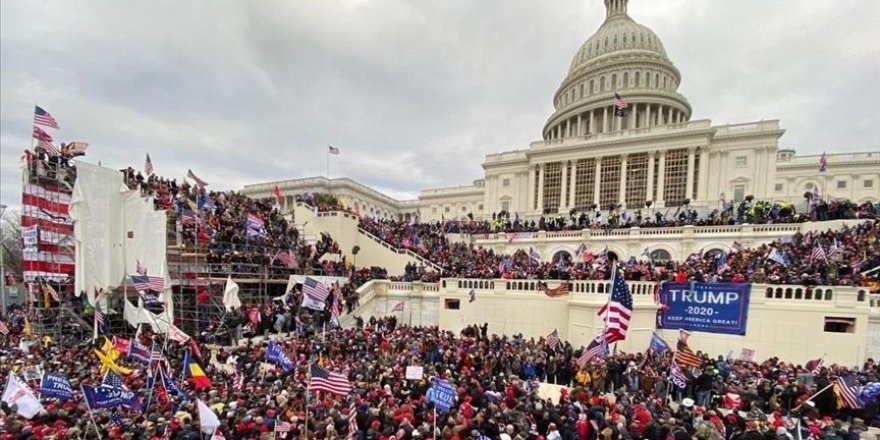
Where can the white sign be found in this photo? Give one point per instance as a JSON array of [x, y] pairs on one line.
[[414, 372], [30, 237]]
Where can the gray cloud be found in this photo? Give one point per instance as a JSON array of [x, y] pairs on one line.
[[414, 93]]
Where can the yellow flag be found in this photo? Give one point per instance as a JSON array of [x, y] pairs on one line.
[[28, 330], [109, 364], [109, 350]]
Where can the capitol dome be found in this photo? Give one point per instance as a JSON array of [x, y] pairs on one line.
[[622, 57]]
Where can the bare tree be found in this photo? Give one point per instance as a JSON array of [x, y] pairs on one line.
[[11, 245]]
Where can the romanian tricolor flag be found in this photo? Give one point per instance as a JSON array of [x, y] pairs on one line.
[[193, 371]]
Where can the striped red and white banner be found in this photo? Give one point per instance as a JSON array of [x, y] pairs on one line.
[[47, 209]]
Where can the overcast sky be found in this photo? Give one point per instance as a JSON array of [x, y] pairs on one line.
[[414, 93]]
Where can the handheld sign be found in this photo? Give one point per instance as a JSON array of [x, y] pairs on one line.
[[442, 394]]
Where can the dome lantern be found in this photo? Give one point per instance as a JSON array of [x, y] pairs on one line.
[[615, 7]]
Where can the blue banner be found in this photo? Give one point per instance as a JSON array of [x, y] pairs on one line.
[[442, 394], [705, 307], [56, 385], [278, 355], [111, 397]]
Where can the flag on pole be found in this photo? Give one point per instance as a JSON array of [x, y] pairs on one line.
[[323, 380], [44, 118], [352, 420], [315, 289], [472, 296], [815, 366], [823, 163], [580, 249], [597, 348], [276, 192], [618, 310], [332, 150], [208, 420], [658, 345], [818, 254], [230, 295], [18, 393], [194, 372], [148, 165], [534, 256], [191, 175], [684, 355], [847, 395], [398, 307], [620, 105], [553, 340]]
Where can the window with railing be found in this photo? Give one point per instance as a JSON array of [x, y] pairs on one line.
[[636, 180], [584, 181], [552, 185], [675, 183], [609, 185]]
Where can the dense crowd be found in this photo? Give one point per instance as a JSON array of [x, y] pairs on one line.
[[759, 212], [620, 397], [845, 253]]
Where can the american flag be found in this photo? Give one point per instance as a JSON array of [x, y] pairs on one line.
[[352, 420], [684, 355], [848, 395], [237, 380], [255, 223], [618, 310], [148, 165], [41, 135], [332, 150], [116, 419], [323, 380], [315, 289], [334, 307], [199, 182], [279, 197], [42, 117], [823, 163], [147, 283], [4, 329], [282, 426], [815, 365], [553, 340], [818, 254], [836, 249], [597, 348], [285, 258], [111, 379], [187, 216], [619, 102], [398, 307]]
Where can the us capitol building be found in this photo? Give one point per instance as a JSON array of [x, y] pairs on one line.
[[592, 157]]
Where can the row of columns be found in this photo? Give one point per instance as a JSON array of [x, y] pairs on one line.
[[603, 120], [567, 195]]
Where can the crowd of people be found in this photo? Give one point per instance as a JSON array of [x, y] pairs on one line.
[[833, 257], [624, 396], [747, 211]]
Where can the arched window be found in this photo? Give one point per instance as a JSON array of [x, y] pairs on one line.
[[656, 79], [613, 81], [582, 90], [625, 79], [660, 255], [602, 84], [592, 87], [664, 81], [638, 79]]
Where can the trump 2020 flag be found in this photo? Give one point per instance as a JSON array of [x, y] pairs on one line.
[[658, 345], [18, 393], [56, 385]]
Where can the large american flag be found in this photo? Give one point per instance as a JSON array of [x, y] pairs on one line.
[[323, 380], [818, 254], [315, 289], [199, 182], [147, 283], [352, 420], [618, 310], [42, 117]]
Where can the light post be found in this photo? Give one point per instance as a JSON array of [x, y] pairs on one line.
[[2, 266]]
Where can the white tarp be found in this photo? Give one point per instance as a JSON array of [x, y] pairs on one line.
[[115, 227], [230, 295], [327, 281]]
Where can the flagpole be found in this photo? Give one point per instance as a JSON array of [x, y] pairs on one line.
[[91, 416], [150, 373]]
